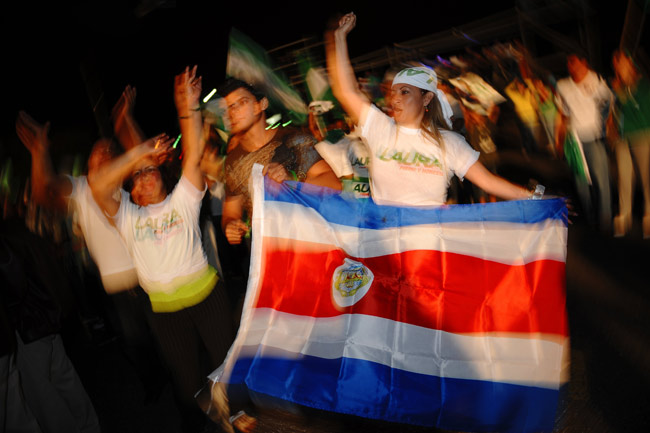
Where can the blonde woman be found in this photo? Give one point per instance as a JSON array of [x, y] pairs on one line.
[[413, 154]]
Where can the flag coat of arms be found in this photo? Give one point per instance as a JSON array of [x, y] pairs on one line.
[[451, 317]]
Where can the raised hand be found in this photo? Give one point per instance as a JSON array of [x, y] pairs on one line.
[[187, 91], [159, 148], [124, 106], [32, 134], [346, 24]]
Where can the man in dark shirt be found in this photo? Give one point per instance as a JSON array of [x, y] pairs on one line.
[[286, 154]]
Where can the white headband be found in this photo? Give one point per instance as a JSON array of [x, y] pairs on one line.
[[425, 79], [419, 76]]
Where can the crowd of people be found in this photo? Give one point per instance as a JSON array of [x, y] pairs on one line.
[[169, 237], [580, 134]]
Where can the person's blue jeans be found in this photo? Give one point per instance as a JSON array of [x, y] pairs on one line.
[[596, 199]]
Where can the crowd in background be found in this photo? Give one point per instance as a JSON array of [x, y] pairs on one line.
[[584, 136], [527, 123]]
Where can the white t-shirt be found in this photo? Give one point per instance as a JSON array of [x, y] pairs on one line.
[[164, 238], [104, 243], [348, 156], [584, 102], [406, 167]]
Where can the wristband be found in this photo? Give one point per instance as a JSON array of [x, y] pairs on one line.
[[235, 417], [195, 110], [538, 193]]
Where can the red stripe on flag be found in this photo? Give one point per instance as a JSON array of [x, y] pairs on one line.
[[446, 291]]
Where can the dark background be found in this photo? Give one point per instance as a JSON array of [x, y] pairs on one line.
[[62, 60], [54, 53]]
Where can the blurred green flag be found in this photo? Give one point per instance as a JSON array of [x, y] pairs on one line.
[[575, 156], [249, 62]]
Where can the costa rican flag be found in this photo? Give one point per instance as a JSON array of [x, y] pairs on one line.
[[451, 317]]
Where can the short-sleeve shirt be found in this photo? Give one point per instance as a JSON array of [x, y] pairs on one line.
[[164, 238], [409, 168], [104, 243], [635, 108], [348, 156], [586, 104], [290, 147]]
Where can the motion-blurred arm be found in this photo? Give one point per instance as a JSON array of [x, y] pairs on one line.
[[109, 176], [495, 185], [126, 129], [187, 91], [231, 219], [322, 174], [48, 188], [341, 74]]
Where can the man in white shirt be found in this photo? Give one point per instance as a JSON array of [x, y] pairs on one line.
[[584, 100]]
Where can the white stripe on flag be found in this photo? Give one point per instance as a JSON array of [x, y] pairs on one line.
[[503, 242], [513, 359]]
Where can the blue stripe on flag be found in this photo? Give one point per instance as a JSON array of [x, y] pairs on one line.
[[372, 390], [342, 209]]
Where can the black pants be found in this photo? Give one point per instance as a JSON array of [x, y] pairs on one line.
[[133, 317], [187, 338]]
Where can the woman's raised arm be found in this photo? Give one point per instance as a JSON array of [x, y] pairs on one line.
[[341, 74]]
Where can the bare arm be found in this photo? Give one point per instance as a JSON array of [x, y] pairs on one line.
[[127, 130], [48, 188], [322, 174], [495, 185], [187, 91], [318, 174], [109, 176], [341, 74], [231, 219]]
